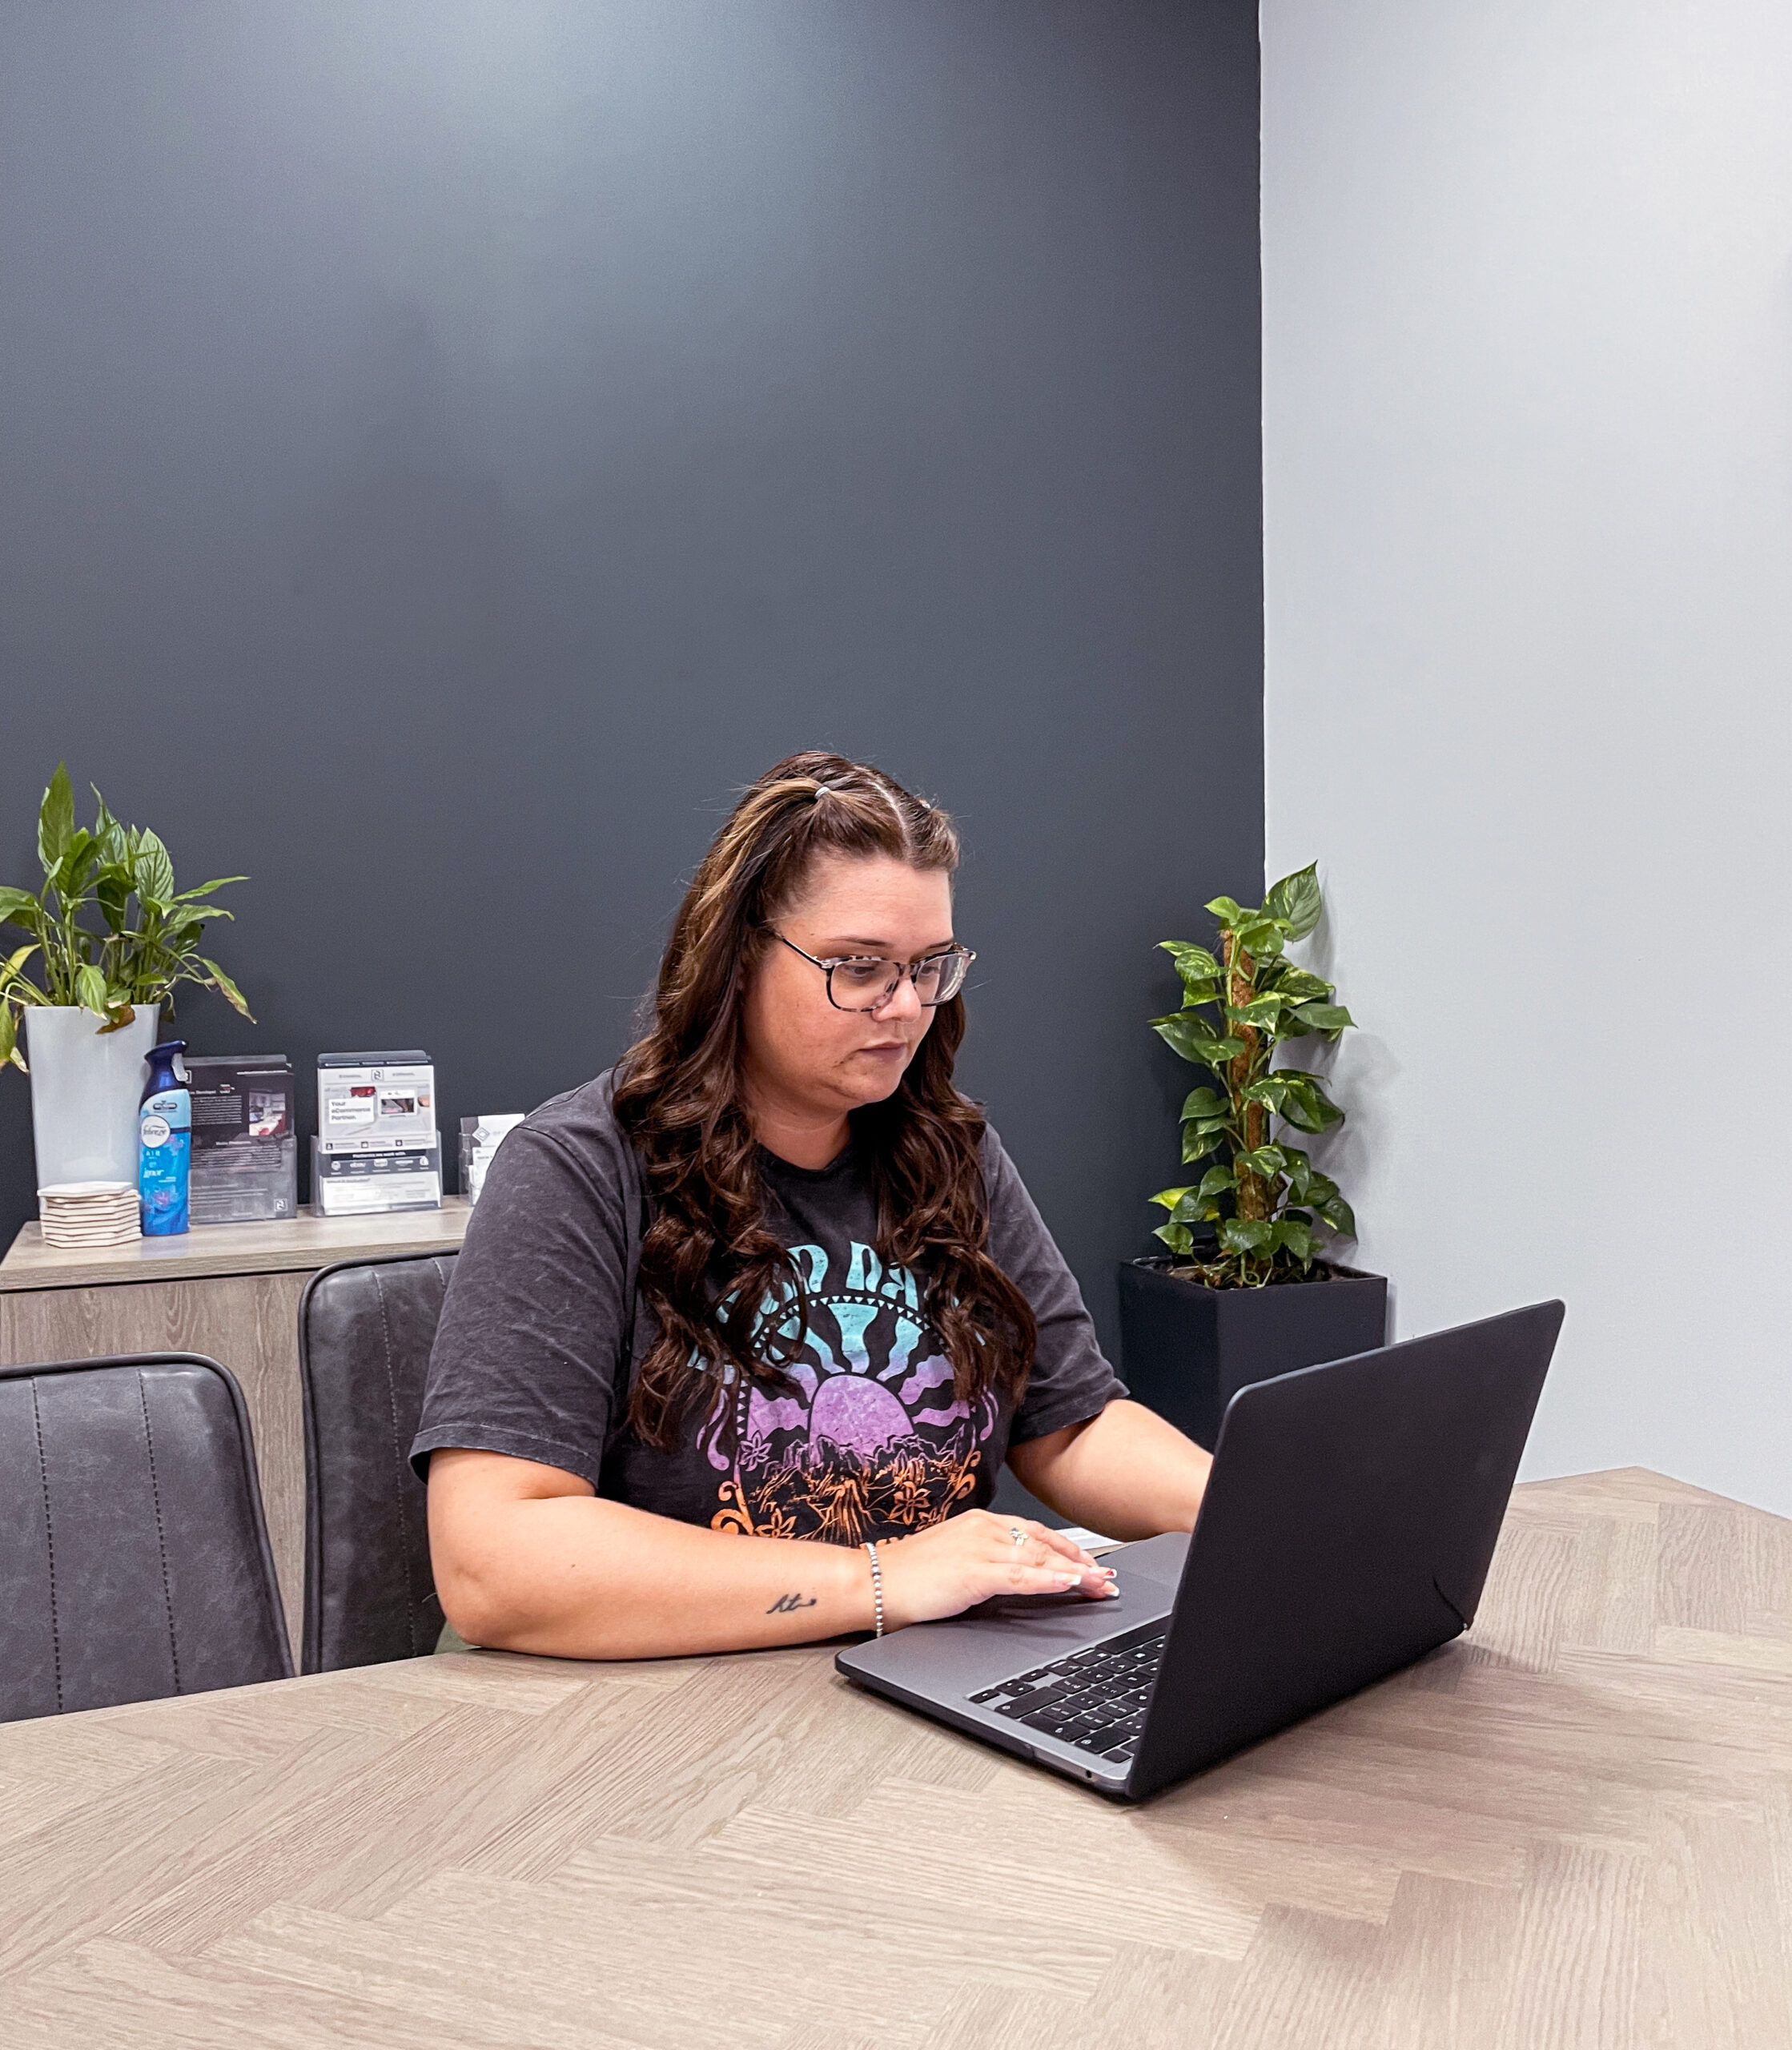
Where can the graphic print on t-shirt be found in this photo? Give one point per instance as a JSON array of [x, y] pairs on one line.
[[872, 1442]]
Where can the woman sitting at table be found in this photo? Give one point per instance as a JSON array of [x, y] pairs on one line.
[[744, 1329]]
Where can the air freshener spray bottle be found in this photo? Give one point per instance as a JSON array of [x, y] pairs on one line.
[[165, 1135]]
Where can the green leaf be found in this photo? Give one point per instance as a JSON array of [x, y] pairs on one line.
[[1297, 901], [1261, 937], [90, 987], [1191, 960], [1167, 1199], [1226, 910], [19, 907], [1300, 984], [226, 988], [1306, 1106], [1267, 1089], [1260, 1011], [112, 894], [205, 888], [1338, 1214], [109, 835], [1295, 1235], [1177, 1237], [1198, 1141], [1324, 1017], [1246, 1234], [56, 819], [1204, 1103], [1300, 1172], [1215, 1182], [9, 1033], [154, 872], [71, 875], [1193, 994], [1195, 1040], [1267, 1161], [12, 969]]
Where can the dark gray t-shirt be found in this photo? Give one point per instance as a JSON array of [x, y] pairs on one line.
[[543, 1329]]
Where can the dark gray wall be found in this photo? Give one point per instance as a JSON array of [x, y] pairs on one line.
[[449, 448]]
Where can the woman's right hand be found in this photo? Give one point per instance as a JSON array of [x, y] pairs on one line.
[[953, 1565]]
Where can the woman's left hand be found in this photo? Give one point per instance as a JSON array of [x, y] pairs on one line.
[[952, 1566]]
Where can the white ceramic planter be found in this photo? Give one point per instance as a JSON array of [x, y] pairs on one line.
[[85, 1085]]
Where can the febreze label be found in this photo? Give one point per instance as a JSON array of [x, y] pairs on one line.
[[165, 1129]]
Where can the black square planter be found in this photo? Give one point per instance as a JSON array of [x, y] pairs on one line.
[[1188, 1349]]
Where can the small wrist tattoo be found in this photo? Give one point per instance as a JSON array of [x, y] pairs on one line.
[[786, 1603]]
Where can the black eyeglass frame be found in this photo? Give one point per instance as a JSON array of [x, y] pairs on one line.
[[963, 955]]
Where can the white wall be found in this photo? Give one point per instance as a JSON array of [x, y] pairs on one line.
[[1528, 308]]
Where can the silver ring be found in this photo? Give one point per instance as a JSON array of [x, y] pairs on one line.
[[1017, 1533]]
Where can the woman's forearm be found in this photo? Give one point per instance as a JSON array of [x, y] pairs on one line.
[[1126, 1473], [579, 1577]]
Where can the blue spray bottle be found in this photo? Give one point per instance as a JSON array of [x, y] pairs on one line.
[[165, 1136]]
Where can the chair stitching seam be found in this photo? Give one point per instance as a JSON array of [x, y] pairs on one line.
[[161, 1542], [50, 1545], [398, 1455], [442, 1282]]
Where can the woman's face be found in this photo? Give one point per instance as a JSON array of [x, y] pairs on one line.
[[804, 1056]]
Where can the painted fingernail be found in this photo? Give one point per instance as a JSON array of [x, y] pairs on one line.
[[1111, 1572]]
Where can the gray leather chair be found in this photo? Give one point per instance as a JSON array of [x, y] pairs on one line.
[[134, 1559], [365, 1329]]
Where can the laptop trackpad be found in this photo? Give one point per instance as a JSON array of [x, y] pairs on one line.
[[1153, 1564], [1009, 1633]]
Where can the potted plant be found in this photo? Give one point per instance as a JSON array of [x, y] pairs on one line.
[[1247, 1290], [91, 1013]]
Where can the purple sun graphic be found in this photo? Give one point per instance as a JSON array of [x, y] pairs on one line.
[[858, 1415]]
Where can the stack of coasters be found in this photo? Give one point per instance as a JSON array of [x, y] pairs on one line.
[[245, 1139], [90, 1214], [377, 1147]]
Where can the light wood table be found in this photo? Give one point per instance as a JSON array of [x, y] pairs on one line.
[[229, 1291], [1571, 1830]]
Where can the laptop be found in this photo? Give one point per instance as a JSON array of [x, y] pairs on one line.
[[1347, 1530]]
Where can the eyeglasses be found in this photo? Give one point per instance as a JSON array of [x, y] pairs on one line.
[[867, 982]]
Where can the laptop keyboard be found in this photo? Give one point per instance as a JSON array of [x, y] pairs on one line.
[[1093, 1700]]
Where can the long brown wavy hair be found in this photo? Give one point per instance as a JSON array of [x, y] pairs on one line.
[[709, 1263]]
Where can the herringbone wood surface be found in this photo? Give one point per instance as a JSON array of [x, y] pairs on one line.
[[1573, 1828]]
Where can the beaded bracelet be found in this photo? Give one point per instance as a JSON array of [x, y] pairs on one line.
[[877, 1582]]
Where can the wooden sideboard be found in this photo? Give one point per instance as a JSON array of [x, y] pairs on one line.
[[229, 1291]]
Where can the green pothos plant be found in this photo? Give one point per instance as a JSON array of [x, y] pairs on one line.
[[148, 938], [1256, 1215]]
